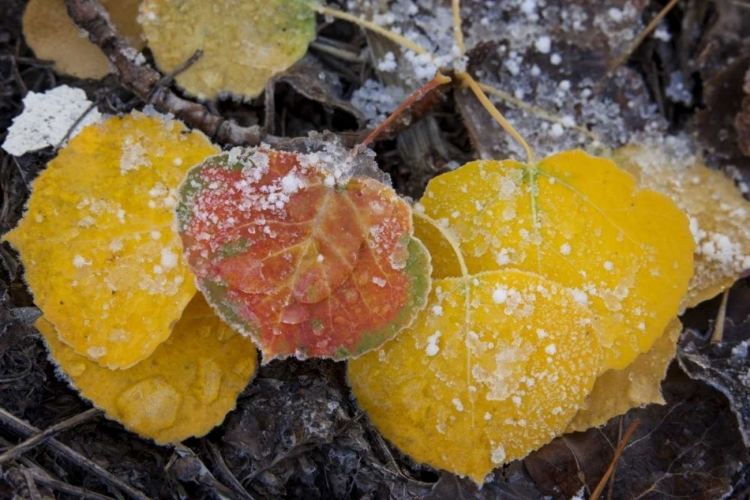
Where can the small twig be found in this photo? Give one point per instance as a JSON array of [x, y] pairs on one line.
[[75, 491], [18, 426], [469, 81], [144, 81], [74, 125], [48, 433], [644, 34], [618, 452], [428, 87], [403, 41], [458, 33], [226, 474], [167, 79], [537, 111], [31, 484], [342, 54], [718, 333]]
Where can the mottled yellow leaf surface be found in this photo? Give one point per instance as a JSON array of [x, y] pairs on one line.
[[52, 35], [719, 215], [244, 43], [184, 389], [639, 384], [97, 242], [494, 367], [576, 220]]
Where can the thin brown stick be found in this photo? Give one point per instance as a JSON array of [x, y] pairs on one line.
[[48, 433], [54, 484], [24, 429], [226, 474], [618, 452], [418, 94], [644, 34], [144, 81], [78, 121]]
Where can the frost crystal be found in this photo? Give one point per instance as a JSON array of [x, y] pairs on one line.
[[46, 119]]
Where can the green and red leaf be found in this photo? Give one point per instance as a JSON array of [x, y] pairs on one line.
[[305, 263]]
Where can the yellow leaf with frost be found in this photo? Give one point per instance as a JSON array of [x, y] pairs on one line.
[[185, 388], [576, 220], [97, 242], [719, 215], [494, 367], [244, 43], [639, 384]]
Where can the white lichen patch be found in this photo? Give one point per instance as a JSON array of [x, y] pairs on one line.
[[47, 118]]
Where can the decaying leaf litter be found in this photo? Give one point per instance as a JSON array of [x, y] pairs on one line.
[[553, 132]]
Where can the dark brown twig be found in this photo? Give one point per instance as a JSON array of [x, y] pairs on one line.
[[226, 474], [54, 484], [18, 426], [48, 433], [144, 81], [78, 121]]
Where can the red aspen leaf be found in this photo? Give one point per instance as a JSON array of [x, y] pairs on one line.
[[299, 256]]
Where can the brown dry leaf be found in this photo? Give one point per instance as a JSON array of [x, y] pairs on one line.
[[617, 391], [719, 215], [183, 389], [52, 35]]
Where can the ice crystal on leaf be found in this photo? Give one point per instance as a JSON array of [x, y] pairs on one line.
[[546, 276], [87, 237], [293, 251], [577, 220], [183, 389]]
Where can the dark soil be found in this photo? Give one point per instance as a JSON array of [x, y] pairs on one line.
[[297, 432]]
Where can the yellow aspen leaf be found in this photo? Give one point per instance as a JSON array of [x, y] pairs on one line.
[[719, 215], [639, 384], [577, 220], [52, 35], [185, 388], [494, 367], [97, 243], [244, 43]]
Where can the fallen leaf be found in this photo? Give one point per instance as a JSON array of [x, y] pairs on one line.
[[496, 366], [688, 448], [639, 384], [725, 366], [97, 243], [185, 388], [579, 221], [52, 35], [304, 261], [719, 215], [244, 43]]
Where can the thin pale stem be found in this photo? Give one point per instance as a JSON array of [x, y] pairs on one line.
[[644, 34], [467, 80], [718, 333], [536, 111], [437, 81], [342, 54], [458, 33], [403, 41]]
